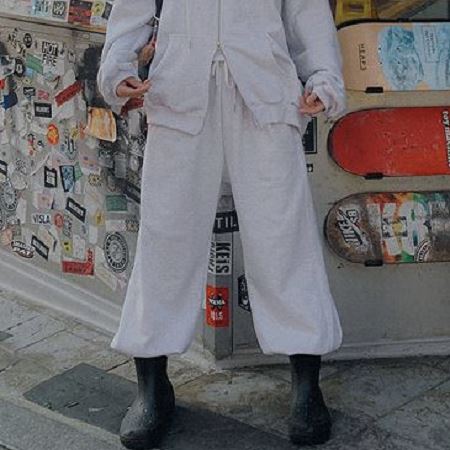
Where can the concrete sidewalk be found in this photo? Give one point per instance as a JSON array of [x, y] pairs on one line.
[[61, 387]]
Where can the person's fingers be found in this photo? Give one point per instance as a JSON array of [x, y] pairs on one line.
[[133, 82], [311, 99], [131, 87], [311, 104], [312, 110]]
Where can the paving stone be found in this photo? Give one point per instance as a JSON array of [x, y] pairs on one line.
[[182, 371], [440, 362], [427, 418], [6, 359], [22, 375], [284, 372], [91, 335], [4, 336], [373, 438], [61, 351], [374, 388], [86, 393], [25, 429], [13, 313], [31, 331], [107, 359], [126, 370]]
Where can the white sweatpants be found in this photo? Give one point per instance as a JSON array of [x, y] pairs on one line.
[[293, 309]]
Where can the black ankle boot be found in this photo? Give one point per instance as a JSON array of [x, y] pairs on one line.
[[310, 422], [149, 417]]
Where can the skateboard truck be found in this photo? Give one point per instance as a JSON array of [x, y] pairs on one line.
[[374, 90]]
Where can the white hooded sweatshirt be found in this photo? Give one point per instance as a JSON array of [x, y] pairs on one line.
[[268, 45]]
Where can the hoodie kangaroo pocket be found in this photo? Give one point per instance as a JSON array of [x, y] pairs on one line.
[[286, 68], [180, 76]]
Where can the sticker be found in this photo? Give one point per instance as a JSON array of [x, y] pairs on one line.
[[67, 247], [34, 63], [99, 218], [3, 171], [67, 147], [40, 247], [69, 93], [10, 100], [6, 237], [85, 268], [101, 124], [3, 221], [60, 9], [29, 92], [8, 197], [22, 249], [80, 12], [116, 203], [131, 105], [43, 110], [226, 222], [132, 225], [116, 252], [310, 138], [79, 247], [76, 209], [43, 95], [220, 258], [53, 134], [217, 307], [67, 178], [50, 51], [133, 192], [19, 68], [95, 179], [28, 40], [243, 298], [78, 171], [50, 178], [41, 219], [58, 220]]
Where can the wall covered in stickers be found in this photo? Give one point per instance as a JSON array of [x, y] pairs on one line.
[[87, 13], [69, 170]]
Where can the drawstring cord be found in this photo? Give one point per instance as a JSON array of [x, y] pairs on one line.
[[219, 62]]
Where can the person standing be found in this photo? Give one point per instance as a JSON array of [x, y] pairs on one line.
[[223, 91]]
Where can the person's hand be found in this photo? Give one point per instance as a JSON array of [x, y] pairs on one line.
[[147, 53], [310, 104], [132, 87]]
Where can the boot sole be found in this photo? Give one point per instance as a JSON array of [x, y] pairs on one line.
[[153, 441], [307, 439]]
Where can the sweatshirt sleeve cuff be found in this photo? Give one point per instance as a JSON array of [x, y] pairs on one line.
[[331, 94], [122, 72]]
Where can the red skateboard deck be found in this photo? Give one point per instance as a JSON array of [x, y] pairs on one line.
[[393, 142], [391, 228]]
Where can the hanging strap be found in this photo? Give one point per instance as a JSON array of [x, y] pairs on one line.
[[159, 5]]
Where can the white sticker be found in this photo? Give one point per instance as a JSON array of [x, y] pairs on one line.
[[79, 247]]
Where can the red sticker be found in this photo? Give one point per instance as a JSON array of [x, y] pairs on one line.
[[217, 307], [80, 268], [69, 93], [134, 103]]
